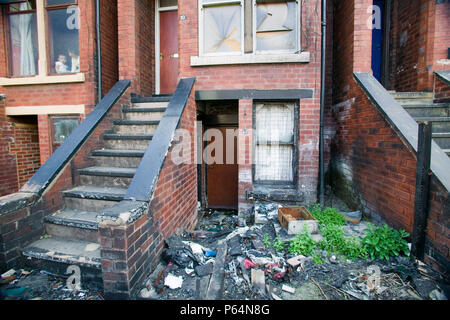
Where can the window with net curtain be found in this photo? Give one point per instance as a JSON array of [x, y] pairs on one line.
[[275, 143], [23, 39], [63, 26]]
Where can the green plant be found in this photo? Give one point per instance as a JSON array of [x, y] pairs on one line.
[[335, 241], [278, 244], [317, 258], [302, 244], [383, 242], [266, 241], [328, 216]]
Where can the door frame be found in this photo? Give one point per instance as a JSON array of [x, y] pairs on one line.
[[158, 44]]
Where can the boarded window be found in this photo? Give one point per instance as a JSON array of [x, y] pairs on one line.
[[275, 142]]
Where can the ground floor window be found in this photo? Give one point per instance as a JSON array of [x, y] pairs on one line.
[[62, 127], [275, 143]]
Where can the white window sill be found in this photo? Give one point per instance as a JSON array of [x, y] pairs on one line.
[[303, 57], [69, 78]]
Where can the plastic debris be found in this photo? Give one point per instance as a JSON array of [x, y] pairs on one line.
[[188, 271], [249, 264], [9, 273], [210, 253], [173, 282]]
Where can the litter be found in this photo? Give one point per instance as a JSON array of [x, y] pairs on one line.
[[296, 219], [188, 271], [204, 270], [288, 289], [258, 280], [353, 217], [249, 264], [173, 282], [296, 261], [210, 253], [9, 273]]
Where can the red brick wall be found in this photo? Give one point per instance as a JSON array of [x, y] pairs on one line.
[[58, 94], [136, 20], [8, 174], [26, 149], [441, 90], [419, 43], [266, 76], [109, 44], [372, 168], [129, 252]]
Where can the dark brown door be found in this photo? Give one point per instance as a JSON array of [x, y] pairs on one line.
[[168, 51], [222, 179]]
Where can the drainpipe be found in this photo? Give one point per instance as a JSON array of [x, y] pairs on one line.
[[322, 105], [99, 51]]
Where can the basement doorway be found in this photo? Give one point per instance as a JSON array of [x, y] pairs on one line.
[[219, 169]]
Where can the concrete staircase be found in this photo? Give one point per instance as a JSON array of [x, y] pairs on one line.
[[421, 107], [73, 237]]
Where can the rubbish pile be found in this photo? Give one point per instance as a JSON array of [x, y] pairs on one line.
[[258, 266], [43, 285]]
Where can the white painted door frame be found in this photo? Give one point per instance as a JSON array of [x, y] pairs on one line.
[[157, 44]]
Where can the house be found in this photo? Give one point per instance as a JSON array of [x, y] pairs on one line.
[[208, 102]]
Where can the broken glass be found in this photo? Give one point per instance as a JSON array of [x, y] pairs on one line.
[[276, 26], [222, 28]]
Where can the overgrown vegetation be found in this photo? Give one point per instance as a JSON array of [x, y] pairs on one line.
[[379, 242], [383, 242], [302, 244]]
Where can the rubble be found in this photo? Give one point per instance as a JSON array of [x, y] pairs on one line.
[[252, 267]]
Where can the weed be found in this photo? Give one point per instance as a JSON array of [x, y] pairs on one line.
[[336, 242], [383, 242], [329, 216], [266, 241], [302, 244], [278, 244]]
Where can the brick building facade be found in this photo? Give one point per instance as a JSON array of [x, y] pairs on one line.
[[257, 70]]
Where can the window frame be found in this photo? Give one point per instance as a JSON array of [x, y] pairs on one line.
[[297, 30], [7, 31], [48, 31], [55, 145], [219, 3], [277, 183], [244, 51], [43, 76]]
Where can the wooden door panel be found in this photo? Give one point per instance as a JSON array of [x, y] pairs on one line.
[[222, 180], [168, 51]]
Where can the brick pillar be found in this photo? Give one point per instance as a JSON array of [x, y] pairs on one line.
[[362, 36], [245, 156], [44, 137]]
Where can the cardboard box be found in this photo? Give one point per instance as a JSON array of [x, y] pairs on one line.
[[294, 219]]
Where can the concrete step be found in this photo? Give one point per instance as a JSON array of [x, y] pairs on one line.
[[117, 158], [154, 98], [414, 101], [428, 110], [442, 139], [127, 141], [73, 224], [151, 105], [135, 126], [93, 198], [71, 252], [412, 95], [440, 124], [447, 151], [143, 114], [107, 176]]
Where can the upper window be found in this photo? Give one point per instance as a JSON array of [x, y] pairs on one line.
[[23, 45], [275, 143], [59, 37], [63, 36], [236, 27]]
